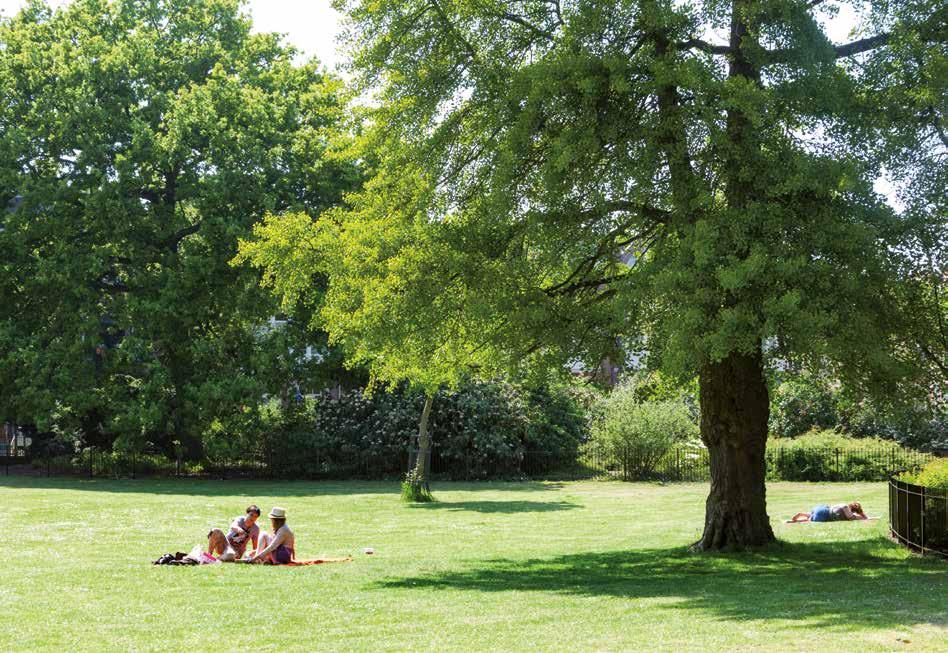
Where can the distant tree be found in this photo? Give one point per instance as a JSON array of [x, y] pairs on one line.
[[144, 139]]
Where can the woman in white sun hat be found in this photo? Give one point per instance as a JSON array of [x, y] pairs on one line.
[[279, 546]]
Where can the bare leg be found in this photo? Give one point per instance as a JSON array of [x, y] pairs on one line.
[[799, 517], [263, 543], [216, 542]]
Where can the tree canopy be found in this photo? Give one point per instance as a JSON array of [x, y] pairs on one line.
[[138, 142], [555, 178]]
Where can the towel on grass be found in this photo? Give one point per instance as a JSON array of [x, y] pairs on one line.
[[315, 561], [809, 521]]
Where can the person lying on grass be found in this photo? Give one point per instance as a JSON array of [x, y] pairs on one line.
[[840, 512], [279, 546]]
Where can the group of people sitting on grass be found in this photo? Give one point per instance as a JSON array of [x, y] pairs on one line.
[[278, 547]]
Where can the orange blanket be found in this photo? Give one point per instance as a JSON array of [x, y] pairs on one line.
[[315, 561]]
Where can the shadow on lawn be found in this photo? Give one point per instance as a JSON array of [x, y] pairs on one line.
[[254, 487], [497, 506], [846, 582]]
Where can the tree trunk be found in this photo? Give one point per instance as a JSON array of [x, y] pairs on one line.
[[422, 470], [735, 407]]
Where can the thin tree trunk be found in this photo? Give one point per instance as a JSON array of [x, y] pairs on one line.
[[735, 407], [424, 444]]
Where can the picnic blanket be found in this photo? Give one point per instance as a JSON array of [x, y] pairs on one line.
[[315, 561], [198, 557], [790, 521]]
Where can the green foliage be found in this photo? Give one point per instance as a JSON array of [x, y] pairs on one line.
[[933, 475], [568, 175], [143, 139], [557, 424], [801, 403], [831, 456], [637, 434], [480, 429]]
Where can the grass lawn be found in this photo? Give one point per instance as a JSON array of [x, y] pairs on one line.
[[502, 566]]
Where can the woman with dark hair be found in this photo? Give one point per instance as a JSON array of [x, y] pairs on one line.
[[279, 546], [840, 512]]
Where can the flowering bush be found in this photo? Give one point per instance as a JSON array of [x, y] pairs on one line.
[[483, 429]]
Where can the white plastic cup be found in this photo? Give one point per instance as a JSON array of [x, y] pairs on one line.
[[368, 550]]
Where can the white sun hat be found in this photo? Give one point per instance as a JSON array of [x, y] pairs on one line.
[[278, 513]]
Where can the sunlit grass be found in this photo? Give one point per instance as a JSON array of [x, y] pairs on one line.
[[574, 566]]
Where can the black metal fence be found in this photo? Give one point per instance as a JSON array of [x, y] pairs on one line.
[[918, 516], [789, 463]]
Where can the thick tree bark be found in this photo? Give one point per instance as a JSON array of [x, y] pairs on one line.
[[735, 404], [424, 444], [735, 407]]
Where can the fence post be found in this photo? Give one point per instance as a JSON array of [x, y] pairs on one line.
[[837, 462], [91, 455], [678, 463], [922, 543]]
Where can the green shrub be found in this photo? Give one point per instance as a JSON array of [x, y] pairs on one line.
[[831, 456], [917, 425], [637, 434], [805, 402], [481, 430], [556, 425], [933, 475], [801, 404]]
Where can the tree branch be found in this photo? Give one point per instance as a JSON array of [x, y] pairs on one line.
[[588, 283], [862, 45], [672, 135], [520, 20], [149, 195], [174, 240], [839, 51], [607, 244], [454, 31], [704, 46]]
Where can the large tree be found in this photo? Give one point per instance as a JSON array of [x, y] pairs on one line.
[[141, 140], [563, 176]]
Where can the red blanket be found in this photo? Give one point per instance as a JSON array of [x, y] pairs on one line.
[[316, 561]]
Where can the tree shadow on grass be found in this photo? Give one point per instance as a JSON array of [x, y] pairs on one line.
[[863, 582], [251, 487], [508, 507]]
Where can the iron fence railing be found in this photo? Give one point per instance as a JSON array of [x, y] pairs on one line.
[[790, 463], [918, 516]]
